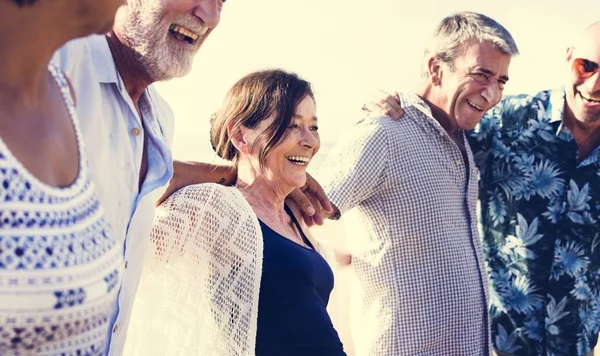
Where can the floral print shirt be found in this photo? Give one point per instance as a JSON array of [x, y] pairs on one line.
[[540, 208]]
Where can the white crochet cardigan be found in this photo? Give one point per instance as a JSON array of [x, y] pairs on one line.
[[199, 290]]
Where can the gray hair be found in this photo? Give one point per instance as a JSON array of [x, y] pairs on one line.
[[457, 29]]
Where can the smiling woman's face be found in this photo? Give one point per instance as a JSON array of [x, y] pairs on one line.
[[286, 162]]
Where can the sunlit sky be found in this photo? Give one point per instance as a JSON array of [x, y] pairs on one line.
[[349, 48]]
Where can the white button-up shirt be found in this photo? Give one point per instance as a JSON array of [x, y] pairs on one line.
[[114, 142]]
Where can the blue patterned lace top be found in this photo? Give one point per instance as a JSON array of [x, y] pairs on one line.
[[59, 263]]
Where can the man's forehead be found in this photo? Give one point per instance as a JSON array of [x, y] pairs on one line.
[[588, 49], [477, 49], [588, 43]]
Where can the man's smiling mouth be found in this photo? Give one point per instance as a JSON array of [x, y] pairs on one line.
[[474, 106], [589, 100], [183, 34]]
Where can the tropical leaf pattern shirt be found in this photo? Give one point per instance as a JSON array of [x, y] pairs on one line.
[[540, 208]]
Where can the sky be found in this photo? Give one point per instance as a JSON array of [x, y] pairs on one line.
[[348, 49]]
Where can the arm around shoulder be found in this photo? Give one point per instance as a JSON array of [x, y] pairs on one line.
[[188, 173]]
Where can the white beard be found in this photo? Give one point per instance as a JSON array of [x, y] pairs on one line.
[[147, 34]]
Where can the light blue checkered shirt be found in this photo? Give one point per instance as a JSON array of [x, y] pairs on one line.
[[409, 204]]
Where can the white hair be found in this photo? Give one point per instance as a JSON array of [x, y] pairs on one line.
[[457, 29]]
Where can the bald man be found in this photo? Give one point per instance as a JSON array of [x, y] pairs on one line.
[[539, 189]]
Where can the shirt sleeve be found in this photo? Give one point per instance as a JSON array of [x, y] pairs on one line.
[[68, 57], [355, 170]]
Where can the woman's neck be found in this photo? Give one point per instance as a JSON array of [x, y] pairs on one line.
[[23, 68], [266, 198]]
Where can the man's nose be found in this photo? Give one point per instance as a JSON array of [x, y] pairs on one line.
[[209, 11]]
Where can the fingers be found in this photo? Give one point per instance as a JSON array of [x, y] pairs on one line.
[[308, 220], [302, 201], [317, 218], [390, 103], [312, 201], [162, 198], [343, 259], [393, 101], [174, 185], [314, 189], [384, 103]]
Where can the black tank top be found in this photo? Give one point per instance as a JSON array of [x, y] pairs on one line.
[[294, 291]]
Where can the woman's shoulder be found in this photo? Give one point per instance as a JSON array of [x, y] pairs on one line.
[[211, 196], [202, 192]]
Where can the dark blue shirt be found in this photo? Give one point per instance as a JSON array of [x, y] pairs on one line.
[[294, 292]]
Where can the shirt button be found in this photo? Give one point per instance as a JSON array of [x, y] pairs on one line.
[[458, 162], [125, 264], [115, 328], [136, 132]]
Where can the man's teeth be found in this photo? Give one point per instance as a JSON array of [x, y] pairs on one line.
[[185, 32], [589, 100], [474, 106], [298, 159]]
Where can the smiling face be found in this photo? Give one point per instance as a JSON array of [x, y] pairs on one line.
[[168, 33], [287, 161], [473, 85], [583, 86]]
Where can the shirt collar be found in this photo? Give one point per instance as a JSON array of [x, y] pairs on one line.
[[105, 66], [415, 101], [557, 105], [412, 99]]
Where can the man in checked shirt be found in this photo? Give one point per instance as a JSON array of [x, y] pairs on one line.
[[539, 163], [410, 186]]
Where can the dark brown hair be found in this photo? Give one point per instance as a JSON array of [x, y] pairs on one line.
[[254, 98]]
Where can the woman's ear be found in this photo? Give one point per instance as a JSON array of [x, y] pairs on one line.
[[236, 134]]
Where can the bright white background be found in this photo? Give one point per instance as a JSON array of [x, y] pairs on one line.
[[349, 48]]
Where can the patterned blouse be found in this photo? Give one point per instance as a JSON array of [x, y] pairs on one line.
[[59, 263], [539, 216]]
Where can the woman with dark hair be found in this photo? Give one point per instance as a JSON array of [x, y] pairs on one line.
[[59, 264], [235, 270]]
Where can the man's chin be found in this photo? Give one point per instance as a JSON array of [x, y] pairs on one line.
[[165, 72], [589, 118], [468, 126]]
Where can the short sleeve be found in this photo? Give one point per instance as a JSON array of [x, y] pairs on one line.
[[355, 170]]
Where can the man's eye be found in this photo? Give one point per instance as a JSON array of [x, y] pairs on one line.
[[480, 77], [314, 128]]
